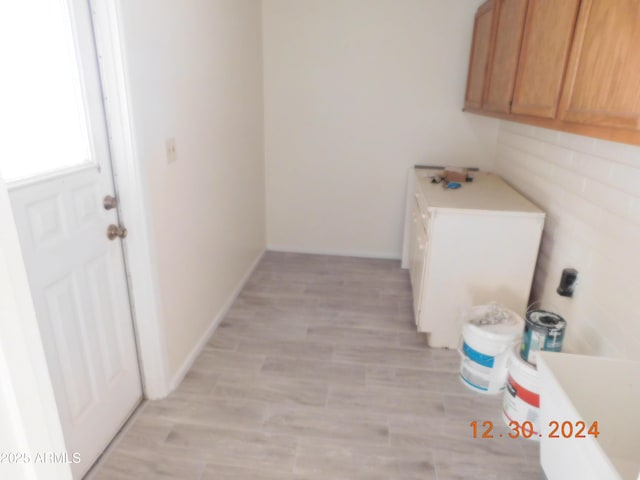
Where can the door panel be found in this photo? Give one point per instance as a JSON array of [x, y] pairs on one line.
[[77, 277], [543, 59], [79, 289], [506, 52], [45, 221], [62, 303], [100, 285]]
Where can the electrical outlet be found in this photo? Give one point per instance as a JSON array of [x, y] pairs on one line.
[[172, 154]]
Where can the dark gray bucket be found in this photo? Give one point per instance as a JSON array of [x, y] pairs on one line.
[[542, 331]]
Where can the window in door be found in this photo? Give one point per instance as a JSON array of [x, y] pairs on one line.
[[44, 115]]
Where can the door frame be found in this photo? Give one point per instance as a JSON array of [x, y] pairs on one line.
[[132, 190]]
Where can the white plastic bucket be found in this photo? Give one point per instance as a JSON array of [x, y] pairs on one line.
[[488, 338], [522, 395]]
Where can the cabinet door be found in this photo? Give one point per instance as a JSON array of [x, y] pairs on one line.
[[602, 85], [506, 52], [421, 260], [413, 241], [416, 260], [479, 56], [547, 38]]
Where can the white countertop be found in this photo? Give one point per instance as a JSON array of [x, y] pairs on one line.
[[607, 391], [487, 192]]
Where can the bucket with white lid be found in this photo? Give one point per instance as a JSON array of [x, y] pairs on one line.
[[522, 396], [488, 337]]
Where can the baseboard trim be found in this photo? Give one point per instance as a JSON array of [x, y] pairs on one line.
[[186, 366], [339, 253]]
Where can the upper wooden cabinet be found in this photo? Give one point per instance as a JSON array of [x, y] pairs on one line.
[[547, 38], [480, 49], [503, 63], [571, 65], [603, 77]]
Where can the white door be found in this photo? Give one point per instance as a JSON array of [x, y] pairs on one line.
[[57, 183]]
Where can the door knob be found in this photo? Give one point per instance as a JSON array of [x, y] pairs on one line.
[[115, 231], [110, 202]]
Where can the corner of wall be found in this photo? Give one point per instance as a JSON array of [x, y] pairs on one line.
[[179, 375]]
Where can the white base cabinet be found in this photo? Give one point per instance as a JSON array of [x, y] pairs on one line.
[[465, 247]]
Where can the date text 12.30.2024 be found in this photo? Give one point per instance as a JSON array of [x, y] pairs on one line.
[[525, 430]]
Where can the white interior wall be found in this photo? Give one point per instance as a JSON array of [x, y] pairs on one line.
[[195, 72], [590, 190], [355, 93]]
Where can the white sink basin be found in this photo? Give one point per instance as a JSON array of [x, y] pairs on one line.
[[589, 389]]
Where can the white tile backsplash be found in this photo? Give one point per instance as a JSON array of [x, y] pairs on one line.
[[590, 190], [625, 177], [592, 167]]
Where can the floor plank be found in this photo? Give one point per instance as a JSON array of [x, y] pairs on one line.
[[317, 372]]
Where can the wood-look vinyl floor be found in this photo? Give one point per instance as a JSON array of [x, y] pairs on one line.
[[317, 373]]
